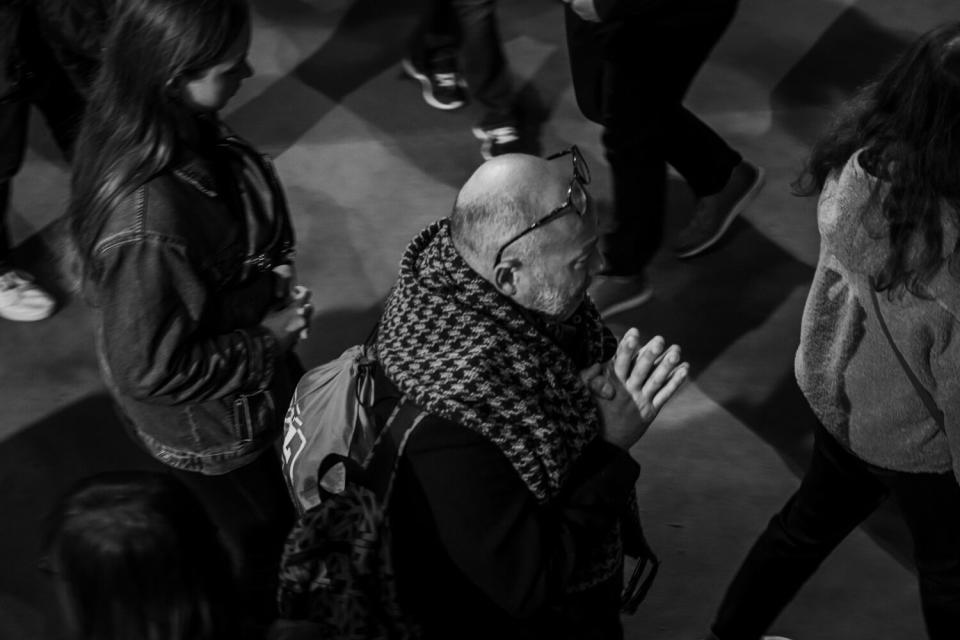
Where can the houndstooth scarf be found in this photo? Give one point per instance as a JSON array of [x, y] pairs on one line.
[[464, 352]]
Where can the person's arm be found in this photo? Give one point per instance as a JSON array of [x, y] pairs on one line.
[[517, 551], [152, 302]]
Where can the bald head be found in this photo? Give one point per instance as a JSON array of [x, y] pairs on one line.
[[503, 196]]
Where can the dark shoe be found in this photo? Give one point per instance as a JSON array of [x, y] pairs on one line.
[[715, 213], [616, 294], [496, 140], [442, 89]]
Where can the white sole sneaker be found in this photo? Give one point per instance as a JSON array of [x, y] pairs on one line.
[[23, 301], [426, 88], [501, 136]]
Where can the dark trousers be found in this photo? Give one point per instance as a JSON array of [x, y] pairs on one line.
[[252, 509], [253, 513], [631, 76], [467, 30], [47, 87], [838, 491]]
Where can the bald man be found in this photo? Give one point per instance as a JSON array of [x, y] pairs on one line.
[[514, 502]]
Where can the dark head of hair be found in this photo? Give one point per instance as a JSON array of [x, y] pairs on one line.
[[908, 125], [131, 125], [139, 559]]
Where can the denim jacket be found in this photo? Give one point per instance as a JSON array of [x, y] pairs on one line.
[[182, 278]]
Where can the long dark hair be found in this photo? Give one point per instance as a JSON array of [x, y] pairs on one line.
[[130, 128], [140, 560], [908, 125]]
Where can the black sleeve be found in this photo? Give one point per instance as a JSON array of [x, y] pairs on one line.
[[516, 551], [612, 9]]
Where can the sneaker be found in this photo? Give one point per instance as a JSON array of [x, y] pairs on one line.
[[498, 140], [615, 294], [441, 89], [715, 213], [21, 299]]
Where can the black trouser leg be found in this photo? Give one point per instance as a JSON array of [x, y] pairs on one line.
[[836, 494], [930, 504], [435, 40], [252, 508], [631, 77], [484, 63]]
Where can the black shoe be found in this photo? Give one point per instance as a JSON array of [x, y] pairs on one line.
[[441, 89], [715, 213]]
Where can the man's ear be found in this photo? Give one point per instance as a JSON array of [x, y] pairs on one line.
[[505, 277]]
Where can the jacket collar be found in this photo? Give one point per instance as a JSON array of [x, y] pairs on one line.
[[195, 172], [192, 167]]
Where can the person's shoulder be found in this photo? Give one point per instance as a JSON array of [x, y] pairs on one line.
[[434, 432], [844, 204], [151, 211]]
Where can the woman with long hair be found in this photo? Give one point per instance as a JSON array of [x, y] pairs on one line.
[[135, 557], [186, 247], [879, 355]]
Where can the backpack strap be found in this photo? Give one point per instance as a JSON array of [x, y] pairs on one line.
[[385, 460], [932, 407], [635, 545]]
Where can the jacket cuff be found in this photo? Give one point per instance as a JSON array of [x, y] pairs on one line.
[[606, 469], [264, 352]]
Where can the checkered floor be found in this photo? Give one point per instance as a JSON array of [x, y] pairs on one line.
[[367, 164]]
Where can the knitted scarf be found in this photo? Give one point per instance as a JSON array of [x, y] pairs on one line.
[[464, 352]]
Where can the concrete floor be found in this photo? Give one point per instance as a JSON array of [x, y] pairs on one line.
[[367, 164]]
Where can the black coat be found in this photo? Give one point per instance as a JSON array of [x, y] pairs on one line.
[[476, 555]]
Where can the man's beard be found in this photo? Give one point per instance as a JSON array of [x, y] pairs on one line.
[[551, 302]]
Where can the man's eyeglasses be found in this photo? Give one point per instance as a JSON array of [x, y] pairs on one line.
[[577, 198]]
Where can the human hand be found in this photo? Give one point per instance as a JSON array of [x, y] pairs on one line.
[[595, 379], [290, 322], [284, 277], [585, 9], [644, 378]]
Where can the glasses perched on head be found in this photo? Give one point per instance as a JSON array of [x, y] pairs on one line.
[[577, 198]]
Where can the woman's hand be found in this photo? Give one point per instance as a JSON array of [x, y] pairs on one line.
[[290, 323]]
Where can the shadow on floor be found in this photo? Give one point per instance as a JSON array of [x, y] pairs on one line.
[[341, 328], [851, 52], [694, 303], [368, 40], [37, 465]]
